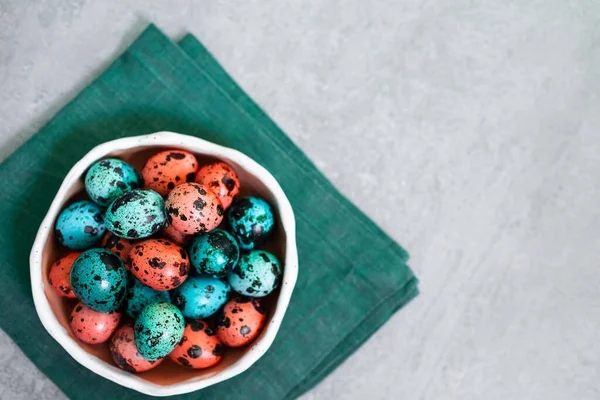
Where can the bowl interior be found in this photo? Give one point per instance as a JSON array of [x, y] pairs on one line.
[[167, 373]]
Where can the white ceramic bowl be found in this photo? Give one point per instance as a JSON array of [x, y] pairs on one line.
[[167, 379]]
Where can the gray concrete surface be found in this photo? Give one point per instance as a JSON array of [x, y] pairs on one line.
[[469, 130]]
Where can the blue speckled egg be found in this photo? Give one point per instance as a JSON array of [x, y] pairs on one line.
[[99, 280], [251, 221], [199, 297], [136, 214], [214, 253], [257, 274], [157, 330], [80, 225], [108, 179], [140, 295]]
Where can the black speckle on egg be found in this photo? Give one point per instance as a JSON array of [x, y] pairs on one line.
[[124, 199], [184, 361], [199, 204], [222, 320], [196, 325], [111, 261], [245, 330], [178, 300], [228, 182], [121, 361], [238, 271], [156, 264], [90, 230], [120, 295], [200, 190], [132, 233], [176, 156], [194, 351]]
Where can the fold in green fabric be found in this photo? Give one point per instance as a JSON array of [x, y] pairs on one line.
[[352, 276]]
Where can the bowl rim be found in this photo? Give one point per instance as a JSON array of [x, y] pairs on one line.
[[126, 379]]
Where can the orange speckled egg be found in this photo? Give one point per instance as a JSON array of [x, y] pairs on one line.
[[91, 326], [125, 352], [240, 321], [167, 169], [160, 264], [192, 208], [198, 348], [175, 236], [119, 246], [220, 178], [59, 275]]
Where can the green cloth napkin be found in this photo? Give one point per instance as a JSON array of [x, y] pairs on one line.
[[352, 276]]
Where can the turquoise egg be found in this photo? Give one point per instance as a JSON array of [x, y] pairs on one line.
[[251, 221], [140, 295], [214, 253], [136, 214], [99, 280], [80, 225], [199, 297], [257, 274], [110, 178], [157, 330]]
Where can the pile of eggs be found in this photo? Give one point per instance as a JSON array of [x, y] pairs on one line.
[[166, 263]]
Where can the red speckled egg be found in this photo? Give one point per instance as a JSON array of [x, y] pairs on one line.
[[220, 178], [167, 169], [175, 236], [91, 326], [160, 264], [240, 322], [198, 348], [119, 246], [59, 275], [192, 208], [125, 352]]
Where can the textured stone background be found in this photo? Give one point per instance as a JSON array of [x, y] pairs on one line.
[[469, 130]]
